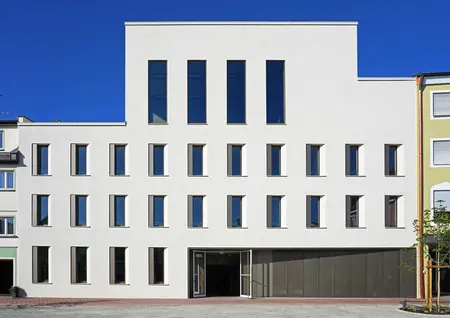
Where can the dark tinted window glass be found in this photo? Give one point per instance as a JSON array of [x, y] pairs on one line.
[[275, 92], [197, 92], [157, 91], [236, 92]]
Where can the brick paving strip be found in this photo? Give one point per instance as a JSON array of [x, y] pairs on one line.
[[8, 302]]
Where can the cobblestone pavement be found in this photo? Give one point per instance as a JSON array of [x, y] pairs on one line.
[[208, 310]]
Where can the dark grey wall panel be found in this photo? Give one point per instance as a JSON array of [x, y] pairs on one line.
[[279, 273], [342, 271], [311, 273], [295, 270], [358, 273], [375, 274], [261, 262], [391, 274], [408, 279], [326, 274]]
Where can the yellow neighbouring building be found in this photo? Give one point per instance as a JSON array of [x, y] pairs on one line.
[[433, 118]]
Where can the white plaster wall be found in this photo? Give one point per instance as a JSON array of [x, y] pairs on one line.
[[8, 199], [326, 103]]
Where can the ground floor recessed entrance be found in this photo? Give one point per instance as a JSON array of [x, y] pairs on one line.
[[6, 275]]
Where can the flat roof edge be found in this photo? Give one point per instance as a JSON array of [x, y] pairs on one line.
[[165, 23], [386, 79], [73, 124]]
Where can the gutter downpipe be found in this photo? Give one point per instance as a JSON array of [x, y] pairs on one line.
[[419, 82]]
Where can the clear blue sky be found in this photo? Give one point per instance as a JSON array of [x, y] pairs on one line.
[[64, 59]]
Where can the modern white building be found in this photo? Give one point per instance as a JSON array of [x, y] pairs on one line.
[[253, 161]]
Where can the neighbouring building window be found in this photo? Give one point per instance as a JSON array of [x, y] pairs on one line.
[[236, 92], [156, 265], [79, 210], [196, 92], [157, 160], [275, 112], [352, 211], [441, 104], [441, 152], [7, 226], [157, 207], [196, 160], [7, 180], [274, 155], [391, 212], [41, 264], [441, 199], [391, 166], [352, 160], [157, 92], [195, 211], [234, 166], [118, 216], [41, 153], [313, 210], [40, 210], [118, 160], [117, 263], [2, 140], [274, 211], [79, 158], [235, 210], [313, 160], [78, 264]]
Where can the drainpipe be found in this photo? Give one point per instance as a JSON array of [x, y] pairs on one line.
[[419, 83]]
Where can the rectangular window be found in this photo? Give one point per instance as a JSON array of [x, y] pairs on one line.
[[274, 159], [196, 92], [313, 160], [118, 160], [7, 180], [41, 264], [352, 159], [235, 211], [275, 112], [196, 160], [79, 210], [441, 199], [274, 211], [236, 92], [157, 165], [157, 92], [391, 167], [42, 159], [78, 265], [118, 216], [156, 268], [2, 140], [235, 160], [352, 211], [441, 152], [117, 263], [313, 210], [195, 211], [391, 211], [156, 213], [7, 226], [441, 104], [40, 210], [80, 160]]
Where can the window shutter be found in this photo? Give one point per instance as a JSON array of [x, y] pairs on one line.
[[190, 160], [441, 152], [111, 210], [112, 265], [229, 210], [347, 211], [34, 209], [441, 104], [308, 160], [386, 160], [151, 265], [386, 211], [269, 211], [229, 160], [34, 158], [150, 159], [150, 211], [269, 160], [347, 160], [73, 210], [308, 211], [190, 210], [73, 265], [111, 159], [35, 264], [73, 160]]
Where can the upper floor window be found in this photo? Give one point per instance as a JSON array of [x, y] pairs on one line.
[[7, 226], [157, 92], [441, 199], [393, 160], [196, 160], [7, 180], [79, 210], [441, 104], [118, 259], [391, 210], [275, 108], [196, 211], [236, 160], [79, 160], [354, 160], [236, 211], [196, 92], [79, 264], [157, 211], [315, 158], [313, 210], [156, 265], [275, 211], [118, 165], [275, 160], [158, 160], [2, 140], [41, 264], [441, 153], [354, 211], [41, 213], [236, 92], [40, 159], [118, 212]]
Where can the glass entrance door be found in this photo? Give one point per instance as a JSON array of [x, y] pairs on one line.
[[199, 273], [246, 274]]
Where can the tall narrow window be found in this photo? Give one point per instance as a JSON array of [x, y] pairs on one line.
[[313, 160], [118, 160], [274, 159], [235, 160], [313, 211], [195, 211], [79, 210], [391, 167], [40, 210], [352, 211], [42, 160], [196, 162], [7, 180], [441, 104], [274, 211], [156, 262], [80, 159], [2, 140], [235, 210], [157, 92], [236, 92], [78, 265], [196, 92], [352, 160], [41, 264], [157, 211], [117, 263], [7, 226], [118, 216], [391, 212], [275, 112]]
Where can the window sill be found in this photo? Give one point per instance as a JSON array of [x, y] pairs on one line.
[[197, 228], [314, 176], [43, 283], [158, 227], [159, 124], [119, 284], [8, 236], [315, 228], [392, 176], [80, 226], [197, 124], [236, 176], [192, 176], [237, 228], [395, 228], [80, 175], [41, 175], [120, 227], [162, 285], [7, 190], [355, 176], [277, 228], [119, 175], [158, 175], [236, 124], [276, 124], [277, 176], [41, 226], [356, 228], [80, 284]]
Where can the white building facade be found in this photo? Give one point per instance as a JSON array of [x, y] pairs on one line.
[[253, 162]]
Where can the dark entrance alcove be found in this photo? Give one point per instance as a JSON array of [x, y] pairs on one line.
[[222, 274], [6, 276]]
